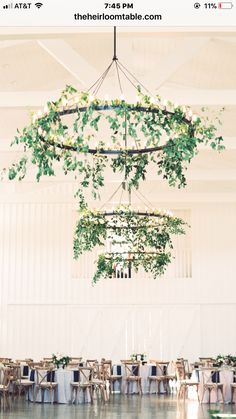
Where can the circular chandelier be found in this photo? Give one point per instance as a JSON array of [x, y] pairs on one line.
[[131, 238], [85, 134]]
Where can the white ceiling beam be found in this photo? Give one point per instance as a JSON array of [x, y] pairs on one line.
[[27, 99], [74, 63], [178, 58], [166, 67], [13, 43], [190, 96], [59, 193], [181, 95]]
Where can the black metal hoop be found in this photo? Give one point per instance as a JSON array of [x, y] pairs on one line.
[[110, 152], [129, 108], [139, 213]]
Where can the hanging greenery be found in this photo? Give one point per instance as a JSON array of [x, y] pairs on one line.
[[146, 238], [75, 132]]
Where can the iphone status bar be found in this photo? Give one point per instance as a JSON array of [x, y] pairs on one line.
[[162, 13]]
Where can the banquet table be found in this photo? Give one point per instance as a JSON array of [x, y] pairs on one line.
[[226, 378], [63, 394], [64, 377]]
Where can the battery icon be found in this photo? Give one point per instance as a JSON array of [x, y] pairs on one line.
[[225, 5]]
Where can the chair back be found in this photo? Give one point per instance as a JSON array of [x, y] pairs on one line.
[[106, 367], [24, 370], [36, 365], [91, 363], [180, 371], [132, 369], [5, 377], [76, 359], [45, 376], [5, 360], [159, 368], [210, 375], [75, 362], [234, 374], [85, 375], [207, 361], [15, 372]]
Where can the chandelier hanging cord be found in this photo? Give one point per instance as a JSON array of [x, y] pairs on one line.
[[98, 83], [118, 77], [112, 196], [124, 70], [143, 199], [115, 58], [120, 68]]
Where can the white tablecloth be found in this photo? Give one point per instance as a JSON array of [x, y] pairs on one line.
[[145, 371], [63, 393]]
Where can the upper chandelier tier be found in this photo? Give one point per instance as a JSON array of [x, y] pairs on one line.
[[86, 134]]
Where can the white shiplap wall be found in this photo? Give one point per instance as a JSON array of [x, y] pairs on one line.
[[43, 309]]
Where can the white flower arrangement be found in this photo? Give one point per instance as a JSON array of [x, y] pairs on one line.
[[59, 359], [223, 360], [138, 357]]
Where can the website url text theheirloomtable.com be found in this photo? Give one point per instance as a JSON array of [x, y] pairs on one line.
[[113, 17]]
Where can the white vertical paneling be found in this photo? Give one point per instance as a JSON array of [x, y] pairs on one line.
[[43, 309]]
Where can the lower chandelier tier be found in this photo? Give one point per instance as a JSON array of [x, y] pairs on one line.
[[127, 240]]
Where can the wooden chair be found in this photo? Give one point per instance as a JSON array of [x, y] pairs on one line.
[[183, 382], [45, 381], [211, 381], [99, 382], [159, 375], [25, 383], [15, 373], [132, 375], [82, 381], [109, 374], [186, 366], [233, 385], [5, 376]]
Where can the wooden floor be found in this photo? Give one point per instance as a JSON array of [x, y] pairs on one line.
[[125, 407]]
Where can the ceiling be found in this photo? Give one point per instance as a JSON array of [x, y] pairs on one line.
[[193, 68]]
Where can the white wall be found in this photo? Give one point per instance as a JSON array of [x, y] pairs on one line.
[[43, 309]]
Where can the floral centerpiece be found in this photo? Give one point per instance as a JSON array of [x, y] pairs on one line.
[[60, 360], [223, 360], [138, 357]]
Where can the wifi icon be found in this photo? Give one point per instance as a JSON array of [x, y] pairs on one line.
[[38, 5]]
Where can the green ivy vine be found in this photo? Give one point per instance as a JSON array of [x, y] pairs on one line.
[[147, 239], [75, 131]]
